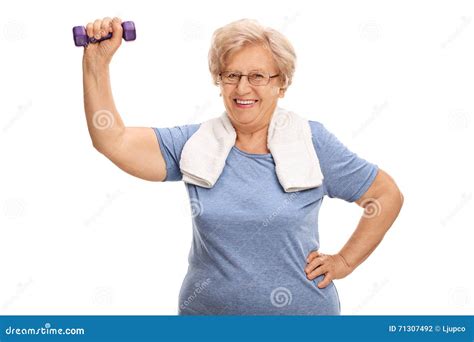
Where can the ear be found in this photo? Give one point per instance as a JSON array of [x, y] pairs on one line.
[[282, 89], [281, 93]]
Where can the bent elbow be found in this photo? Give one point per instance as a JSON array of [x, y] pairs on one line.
[[398, 200]]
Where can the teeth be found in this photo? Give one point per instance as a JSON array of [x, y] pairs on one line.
[[245, 102]]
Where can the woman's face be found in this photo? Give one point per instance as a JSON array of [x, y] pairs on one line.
[[247, 117]]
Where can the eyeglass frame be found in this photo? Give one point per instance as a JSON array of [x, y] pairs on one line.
[[240, 77]]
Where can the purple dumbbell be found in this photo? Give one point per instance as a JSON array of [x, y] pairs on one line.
[[81, 38]]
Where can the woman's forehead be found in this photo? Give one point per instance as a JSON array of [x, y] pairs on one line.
[[251, 58]]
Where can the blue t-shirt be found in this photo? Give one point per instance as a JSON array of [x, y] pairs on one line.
[[251, 239]]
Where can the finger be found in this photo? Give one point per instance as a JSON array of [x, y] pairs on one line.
[[317, 272], [90, 30], [325, 282], [97, 24], [117, 31], [314, 264], [106, 26], [311, 256]]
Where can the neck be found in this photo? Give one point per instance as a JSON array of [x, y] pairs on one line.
[[253, 140]]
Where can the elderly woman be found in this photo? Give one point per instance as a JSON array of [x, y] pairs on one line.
[[255, 246]]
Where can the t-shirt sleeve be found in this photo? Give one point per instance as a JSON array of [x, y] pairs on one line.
[[346, 175], [172, 141]]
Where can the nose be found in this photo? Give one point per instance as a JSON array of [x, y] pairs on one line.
[[243, 86]]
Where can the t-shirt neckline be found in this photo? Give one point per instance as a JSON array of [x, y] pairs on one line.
[[253, 155]]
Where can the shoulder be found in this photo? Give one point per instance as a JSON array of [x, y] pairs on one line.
[[319, 134], [177, 133], [188, 130], [315, 126], [327, 145]]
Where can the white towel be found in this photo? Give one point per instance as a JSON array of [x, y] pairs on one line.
[[289, 140]]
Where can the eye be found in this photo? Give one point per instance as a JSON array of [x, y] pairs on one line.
[[257, 76], [232, 75]]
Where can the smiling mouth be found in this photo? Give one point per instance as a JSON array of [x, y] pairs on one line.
[[244, 103]]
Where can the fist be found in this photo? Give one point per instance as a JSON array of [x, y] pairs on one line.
[[101, 53]]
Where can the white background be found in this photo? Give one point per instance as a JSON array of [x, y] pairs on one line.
[[392, 80]]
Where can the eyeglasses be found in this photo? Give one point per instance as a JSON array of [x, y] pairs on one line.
[[256, 78]]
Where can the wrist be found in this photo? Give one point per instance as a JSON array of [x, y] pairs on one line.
[[95, 67], [348, 266]]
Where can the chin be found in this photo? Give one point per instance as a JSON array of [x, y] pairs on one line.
[[245, 118]]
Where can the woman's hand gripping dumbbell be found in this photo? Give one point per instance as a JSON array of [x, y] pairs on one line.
[[102, 38]]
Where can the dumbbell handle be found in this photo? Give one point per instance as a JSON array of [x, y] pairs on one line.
[[82, 39]]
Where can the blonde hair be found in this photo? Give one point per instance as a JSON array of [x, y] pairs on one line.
[[238, 34]]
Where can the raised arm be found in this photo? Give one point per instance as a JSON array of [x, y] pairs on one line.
[[133, 149]]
